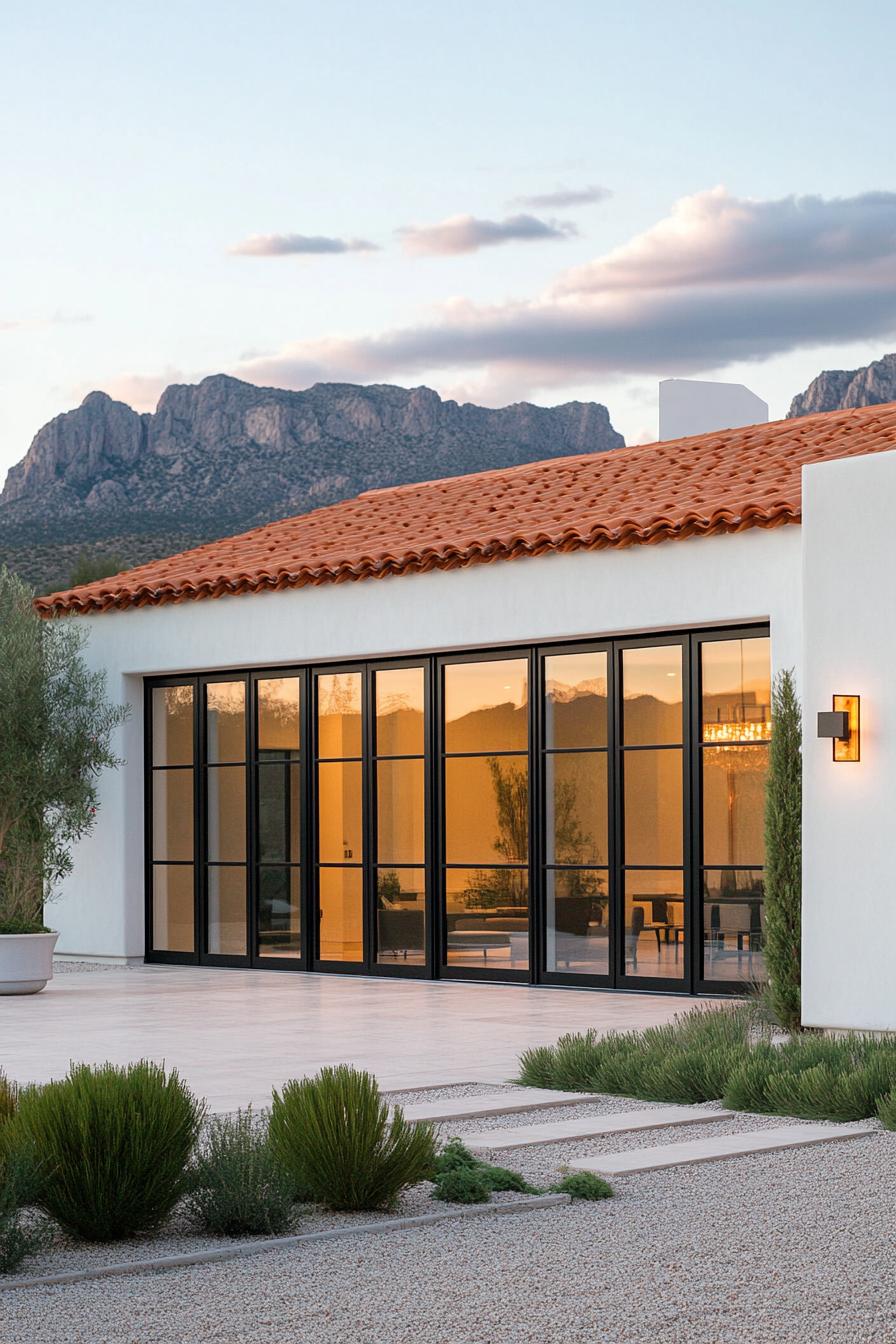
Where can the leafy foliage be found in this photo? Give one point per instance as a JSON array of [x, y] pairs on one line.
[[463, 1185], [18, 1238], [783, 854], [56, 740], [335, 1136], [455, 1158], [112, 1145], [237, 1185], [886, 1109], [583, 1185], [92, 566]]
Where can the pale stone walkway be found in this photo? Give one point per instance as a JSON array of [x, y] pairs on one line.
[[235, 1034]]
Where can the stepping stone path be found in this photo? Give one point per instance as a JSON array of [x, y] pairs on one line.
[[591, 1126], [717, 1147], [493, 1103]]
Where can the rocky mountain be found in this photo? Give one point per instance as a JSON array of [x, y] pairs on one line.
[[837, 389], [222, 456]]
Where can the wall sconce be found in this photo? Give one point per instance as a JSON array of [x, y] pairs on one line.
[[842, 724]]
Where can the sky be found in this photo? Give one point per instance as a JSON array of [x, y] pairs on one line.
[[504, 201]]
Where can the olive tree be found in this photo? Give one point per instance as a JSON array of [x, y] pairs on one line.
[[56, 728]]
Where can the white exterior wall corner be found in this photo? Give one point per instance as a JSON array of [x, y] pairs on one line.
[[749, 576], [849, 809]]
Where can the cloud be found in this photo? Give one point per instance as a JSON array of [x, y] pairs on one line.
[[298, 245], [465, 233], [721, 279], [40, 323], [563, 197]]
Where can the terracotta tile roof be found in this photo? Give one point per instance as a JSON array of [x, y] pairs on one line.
[[709, 484]]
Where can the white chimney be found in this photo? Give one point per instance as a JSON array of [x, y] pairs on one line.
[[691, 407]]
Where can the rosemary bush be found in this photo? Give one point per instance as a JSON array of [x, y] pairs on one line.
[[237, 1186]]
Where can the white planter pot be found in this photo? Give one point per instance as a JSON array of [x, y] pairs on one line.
[[26, 961]]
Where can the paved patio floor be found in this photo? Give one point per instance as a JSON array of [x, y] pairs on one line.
[[235, 1034]]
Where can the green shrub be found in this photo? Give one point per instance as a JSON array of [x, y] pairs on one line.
[[113, 1146], [686, 1076], [886, 1109], [9, 1099], [238, 1188], [537, 1067], [501, 1178], [454, 1156], [19, 1239], [463, 1185], [335, 1136], [583, 1185]]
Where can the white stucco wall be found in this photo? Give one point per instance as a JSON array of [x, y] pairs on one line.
[[849, 809], [754, 575]]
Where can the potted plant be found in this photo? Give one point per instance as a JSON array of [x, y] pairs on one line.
[[56, 728]]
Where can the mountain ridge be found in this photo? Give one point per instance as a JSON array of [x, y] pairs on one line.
[[223, 456]]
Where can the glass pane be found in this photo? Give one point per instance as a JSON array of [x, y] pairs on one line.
[[172, 725], [653, 816], [341, 914], [486, 809], [339, 714], [654, 924], [737, 691], [733, 925], [575, 713], [279, 912], [339, 802], [399, 712], [578, 932], [401, 916], [172, 814], [400, 797], [227, 911], [226, 811], [651, 687], [279, 813], [172, 909], [486, 706], [225, 724], [576, 802], [734, 804], [279, 721], [487, 918]]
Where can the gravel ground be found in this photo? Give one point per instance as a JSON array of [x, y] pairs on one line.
[[790, 1246], [62, 966]]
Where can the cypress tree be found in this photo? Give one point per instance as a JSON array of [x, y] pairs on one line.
[[783, 854]]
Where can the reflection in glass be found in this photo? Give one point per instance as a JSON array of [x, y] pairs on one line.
[[736, 677], [401, 915], [279, 721], [172, 725], [339, 714], [577, 921], [226, 911], [172, 909], [575, 713], [652, 783], [651, 686], [733, 925], [225, 723], [172, 815], [399, 712], [486, 809], [576, 802], [734, 804], [487, 918], [654, 924], [279, 813], [486, 706], [339, 812], [279, 912], [340, 902], [399, 817], [226, 812]]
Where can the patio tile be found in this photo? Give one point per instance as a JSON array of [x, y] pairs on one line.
[[718, 1147], [592, 1126]]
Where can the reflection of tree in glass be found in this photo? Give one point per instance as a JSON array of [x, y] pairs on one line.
[[388, 887]]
